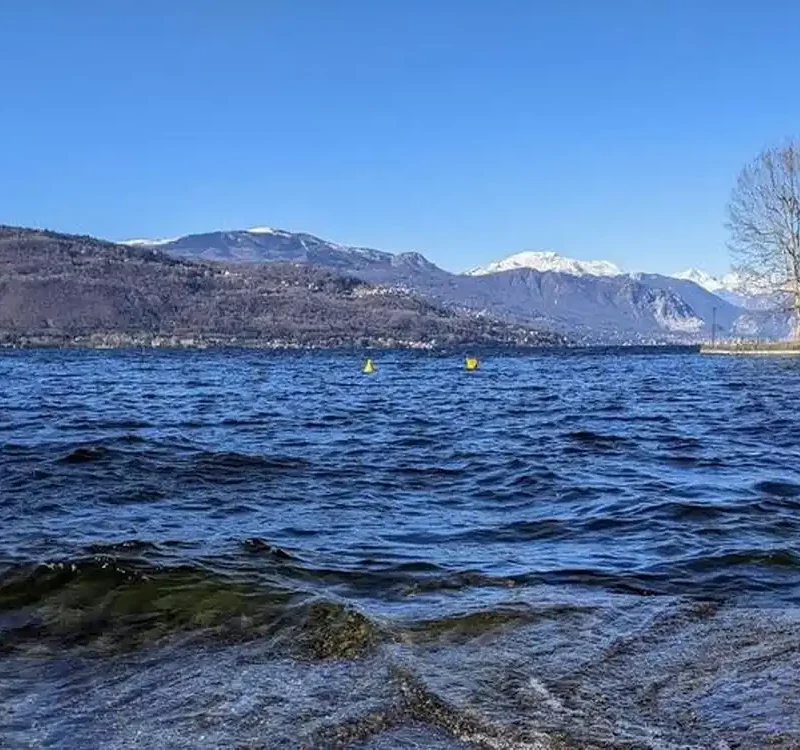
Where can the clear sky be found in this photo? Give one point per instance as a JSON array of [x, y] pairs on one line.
[[465, 129]]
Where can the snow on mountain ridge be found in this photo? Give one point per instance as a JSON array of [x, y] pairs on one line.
[[730, 282], [701, 278], [149, 243], [265, 230], [548, 261]]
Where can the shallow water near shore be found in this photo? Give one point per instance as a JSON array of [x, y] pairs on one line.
[[262, 550]]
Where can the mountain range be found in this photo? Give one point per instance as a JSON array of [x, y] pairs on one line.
[[591, 301], [65, 290]]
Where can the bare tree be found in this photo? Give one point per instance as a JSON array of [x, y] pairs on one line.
[[764, 224]]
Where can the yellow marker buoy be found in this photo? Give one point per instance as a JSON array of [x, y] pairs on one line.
[[369, 366], [471, 363]]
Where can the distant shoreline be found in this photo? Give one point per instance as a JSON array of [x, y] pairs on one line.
[[774, 348], [121, 342]]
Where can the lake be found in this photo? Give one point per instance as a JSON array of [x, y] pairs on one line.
[[244, 549]]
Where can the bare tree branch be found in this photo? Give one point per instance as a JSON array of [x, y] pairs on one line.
[[764, 224]]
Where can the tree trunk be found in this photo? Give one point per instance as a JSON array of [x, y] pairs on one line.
[[796, 310], [794, 277]]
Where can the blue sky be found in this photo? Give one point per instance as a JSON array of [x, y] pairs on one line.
[[465, 129]]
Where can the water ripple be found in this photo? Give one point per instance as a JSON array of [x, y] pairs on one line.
[[229, 497]]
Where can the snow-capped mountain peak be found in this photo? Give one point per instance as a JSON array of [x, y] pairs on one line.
[[730, 282], [548, 261], [149, 243], [702, 278], [265, 230], [733, 287]]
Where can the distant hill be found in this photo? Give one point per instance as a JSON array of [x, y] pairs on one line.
[[592, 301], [56, 288], [266, 245]]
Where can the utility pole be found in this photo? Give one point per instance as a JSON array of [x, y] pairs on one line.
[[713, 325]]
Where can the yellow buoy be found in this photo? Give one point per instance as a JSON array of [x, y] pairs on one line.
[[369, 366], [471, 363]]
